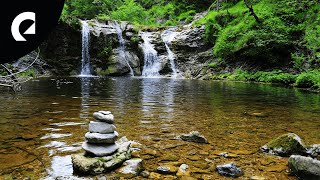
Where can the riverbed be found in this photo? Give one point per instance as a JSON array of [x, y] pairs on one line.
[[44, 124]]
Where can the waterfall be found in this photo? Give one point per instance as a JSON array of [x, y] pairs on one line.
[[167, 37], [152, 64], [85, 68], [122, 49]]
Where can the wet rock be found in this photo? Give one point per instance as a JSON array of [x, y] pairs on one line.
[[131, 168], [285, 145], [104, 117], [96, 165], [230, 170], [314, 150], [99, 150], [145, 174], [194, 136], [183, 170], [304, 167], [97, 138], [168, 169], [101, 127]]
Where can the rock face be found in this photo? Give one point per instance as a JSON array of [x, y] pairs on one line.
[[194, 136], [230, 170], [304, 167], [285, 145], [191, 53]]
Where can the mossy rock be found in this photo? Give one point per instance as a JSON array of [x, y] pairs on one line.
[[285, 145]]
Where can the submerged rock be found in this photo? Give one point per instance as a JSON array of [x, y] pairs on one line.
[[96, 165], [183, 170], [97, 138], [230, 170], [304, 167], [131, 168], [285, 145], [194, 136], [99, 150], [168, 169]]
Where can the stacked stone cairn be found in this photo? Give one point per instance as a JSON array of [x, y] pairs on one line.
[[100, 140], [103, 152]]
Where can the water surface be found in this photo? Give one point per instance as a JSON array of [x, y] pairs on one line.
[[44, 124]]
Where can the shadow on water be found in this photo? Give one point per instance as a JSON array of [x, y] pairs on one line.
[[44, 124]]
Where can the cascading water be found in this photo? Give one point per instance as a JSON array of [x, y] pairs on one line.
[[152, 64], [167, 37], [122, 48], [86, 68]]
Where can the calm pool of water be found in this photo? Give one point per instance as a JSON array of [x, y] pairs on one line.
[[44, 124]]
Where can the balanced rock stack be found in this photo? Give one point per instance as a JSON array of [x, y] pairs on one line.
[[100, 140]]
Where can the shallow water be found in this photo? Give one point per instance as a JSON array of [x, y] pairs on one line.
[[44, 124]]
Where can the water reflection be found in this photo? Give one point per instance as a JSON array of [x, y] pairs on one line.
[[85, 97], [44, 119]]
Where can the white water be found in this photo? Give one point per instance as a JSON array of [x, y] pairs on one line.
[[122, 48], [152, 64], [85, 68], [167, 37]]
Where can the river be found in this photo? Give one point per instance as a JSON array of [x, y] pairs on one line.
[[44, 124]]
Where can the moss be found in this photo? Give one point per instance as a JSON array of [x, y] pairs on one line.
[[286, 144]]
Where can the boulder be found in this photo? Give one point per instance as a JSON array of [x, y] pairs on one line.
[[285, 145], [304, 167], [103, 117], [97, 138], [194, 136], [99, 150], [230, 170], [101, 127], [131, 168]]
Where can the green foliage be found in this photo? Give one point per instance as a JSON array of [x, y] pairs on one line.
[[309, 80], [129, 11], [28, 73]]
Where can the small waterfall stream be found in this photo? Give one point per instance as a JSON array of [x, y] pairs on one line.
[[86, 67], [152, 65], [122, 48], [167, 37]]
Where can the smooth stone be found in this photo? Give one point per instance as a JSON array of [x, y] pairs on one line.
[[285, 145], [97, 138], [108, 118], [304, 167], [131, 168], [101, 127], [230, 170], [145, 174], [100, 150], [105, 112], [183, 170], [168, 169], [194, 136]]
